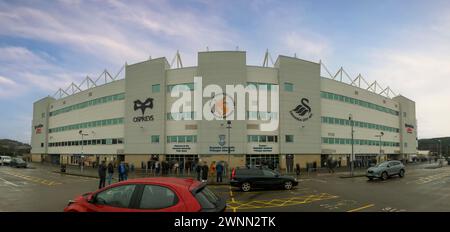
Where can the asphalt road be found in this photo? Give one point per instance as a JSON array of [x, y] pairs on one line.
[[40, 189]]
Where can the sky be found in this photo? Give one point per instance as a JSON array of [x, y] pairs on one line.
[[46, 45]]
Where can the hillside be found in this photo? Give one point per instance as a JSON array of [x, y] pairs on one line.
[[11, 147], [433, 145]]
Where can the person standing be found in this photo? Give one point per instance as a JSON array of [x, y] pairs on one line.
[[110, 172], [102, 175], [205, 172], [127, 169], [219, 170], [198, 169], [212, 169], [157, 167], [121, 170], [297, 170], [176, 167]]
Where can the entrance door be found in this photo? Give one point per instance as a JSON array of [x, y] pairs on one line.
[[254, 162]]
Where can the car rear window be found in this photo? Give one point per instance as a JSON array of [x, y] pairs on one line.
[[206, 198]]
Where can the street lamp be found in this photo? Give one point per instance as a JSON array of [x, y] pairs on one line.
[[350, 118], [82, 143], [229, 145], [379, 155], [440, 146]]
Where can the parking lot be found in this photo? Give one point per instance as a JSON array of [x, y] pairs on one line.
[[40, 189]]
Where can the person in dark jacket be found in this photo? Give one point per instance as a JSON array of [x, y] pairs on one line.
[[219, 171], [127, 169], [102, 175], [297, 170], [110, 172], [121, 169], [205, 172], [198, 169]]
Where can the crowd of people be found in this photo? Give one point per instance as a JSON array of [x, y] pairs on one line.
[[122, 169], [163, 168]]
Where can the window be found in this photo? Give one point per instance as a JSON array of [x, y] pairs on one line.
[[155, 138], [157, 197], [263, 138], [288, 87], [156, 88], [43, 115], [289, 138], [181, 139], [404, 114], [206, 198], [116, 197], [42, 144]]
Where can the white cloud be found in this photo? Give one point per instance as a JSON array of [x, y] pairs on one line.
[[311, 47], [116, 31], [419, 69]]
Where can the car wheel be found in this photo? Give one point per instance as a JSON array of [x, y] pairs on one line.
[[384, 176], [401, 173], [370, 178], [246, 186], [288, 185]]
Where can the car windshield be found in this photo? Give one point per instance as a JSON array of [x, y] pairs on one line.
[[384, 164]]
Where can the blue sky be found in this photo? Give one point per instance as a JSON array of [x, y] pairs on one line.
[[45, 45]]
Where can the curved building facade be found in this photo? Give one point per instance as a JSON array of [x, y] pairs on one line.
[[131, 120]]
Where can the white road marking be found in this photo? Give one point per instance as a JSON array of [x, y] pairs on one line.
[[9, 183]]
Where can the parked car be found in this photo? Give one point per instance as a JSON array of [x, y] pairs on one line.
[[249, 178], [5, 160], [386, 169], [163, 194], [18, 163]]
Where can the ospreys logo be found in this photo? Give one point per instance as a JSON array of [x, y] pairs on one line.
[[303, 111], [138, 104], [143, 105]]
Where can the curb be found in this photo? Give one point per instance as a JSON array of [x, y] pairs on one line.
[[74, 174]]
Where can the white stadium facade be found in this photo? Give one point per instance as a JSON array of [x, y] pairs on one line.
[[130, 119]]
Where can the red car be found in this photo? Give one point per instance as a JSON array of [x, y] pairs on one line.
[[163, 194]]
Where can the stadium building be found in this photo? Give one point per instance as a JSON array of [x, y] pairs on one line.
[[113, 118]]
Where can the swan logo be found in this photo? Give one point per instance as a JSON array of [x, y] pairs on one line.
[[303, 111]]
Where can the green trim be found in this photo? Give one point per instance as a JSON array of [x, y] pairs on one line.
[[182, 139], [87, 142], [354, 101], [262, 138], [92, 124], [346, 122], [97, 101], [362, 142]]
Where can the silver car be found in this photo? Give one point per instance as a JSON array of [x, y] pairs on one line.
[[386, 169]]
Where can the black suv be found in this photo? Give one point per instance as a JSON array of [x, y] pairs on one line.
[[248, 178]]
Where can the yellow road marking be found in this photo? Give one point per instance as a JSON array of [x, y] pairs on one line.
[[361, 208], [33, 179], [283, 202]]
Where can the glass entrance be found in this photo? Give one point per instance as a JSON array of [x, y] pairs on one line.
[[185, 162], [270, 161]]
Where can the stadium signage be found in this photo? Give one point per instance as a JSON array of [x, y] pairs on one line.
[[303, 111], [139, 105]]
